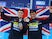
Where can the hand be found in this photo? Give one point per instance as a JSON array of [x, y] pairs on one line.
[[26, 19], [20, 26]]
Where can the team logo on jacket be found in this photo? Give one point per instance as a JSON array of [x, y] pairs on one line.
[[33, 26], [16, 26]]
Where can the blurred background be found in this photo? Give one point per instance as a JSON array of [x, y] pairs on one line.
[[30, 4]]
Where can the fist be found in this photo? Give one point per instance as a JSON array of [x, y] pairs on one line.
[[20, 26], [26, 19]]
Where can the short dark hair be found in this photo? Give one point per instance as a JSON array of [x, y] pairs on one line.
[[32, 10], [20, 10]]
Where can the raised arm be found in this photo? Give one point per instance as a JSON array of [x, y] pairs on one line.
[[4, 17], [49, 20]]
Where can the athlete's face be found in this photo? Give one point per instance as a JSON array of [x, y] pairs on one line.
[[33, 15], [50, 9], [20, 14]]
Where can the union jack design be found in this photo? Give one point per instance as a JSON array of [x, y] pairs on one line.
[[42, 14]]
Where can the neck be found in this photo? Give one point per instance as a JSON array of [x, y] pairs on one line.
[[33, 18], [20, 17]]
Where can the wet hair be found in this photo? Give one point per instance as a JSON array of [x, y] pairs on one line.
[[20, 10], [31, 11]]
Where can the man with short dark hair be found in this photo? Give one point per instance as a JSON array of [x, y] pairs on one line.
[[34, 27], [16, 24]]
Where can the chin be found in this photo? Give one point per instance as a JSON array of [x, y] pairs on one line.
[[20, 17]]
